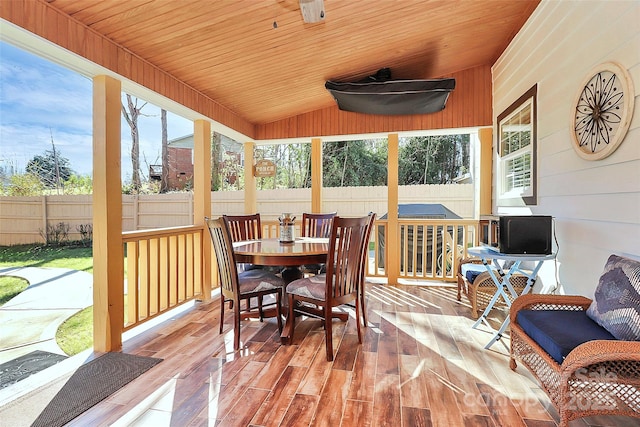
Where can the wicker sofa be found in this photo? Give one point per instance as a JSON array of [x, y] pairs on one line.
[[584, 368]]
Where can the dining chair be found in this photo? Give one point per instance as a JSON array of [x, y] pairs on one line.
[[339, 285], [244, 227], [246, 285], [315, 225], [371, 218]]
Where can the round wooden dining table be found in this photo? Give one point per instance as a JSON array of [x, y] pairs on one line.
[[304, 250], [271, 252]]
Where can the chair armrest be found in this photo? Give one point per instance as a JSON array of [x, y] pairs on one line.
[[472, 260], [547, 302], [600, 351], [467, 260]]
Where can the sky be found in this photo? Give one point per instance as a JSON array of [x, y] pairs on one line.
[[40, 100]]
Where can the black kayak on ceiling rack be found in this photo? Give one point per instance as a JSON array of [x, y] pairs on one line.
[[379, 94]]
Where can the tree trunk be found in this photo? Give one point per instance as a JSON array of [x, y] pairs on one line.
[[57, 166], [426, 160], [132, 120], [164, 180], [344, 163], [216, 181]]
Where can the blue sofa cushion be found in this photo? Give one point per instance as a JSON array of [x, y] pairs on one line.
[[560, 331], [471, 275], [470, 271], [616, 302]]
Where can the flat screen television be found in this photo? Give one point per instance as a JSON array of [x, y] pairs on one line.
[[530, 234]]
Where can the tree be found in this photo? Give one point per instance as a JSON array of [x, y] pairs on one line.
[[216, 162], [131, 116], [79, 184], [25, 184], [293, 165], [51, 168], [164, 179], [433, 159], [354, 163]]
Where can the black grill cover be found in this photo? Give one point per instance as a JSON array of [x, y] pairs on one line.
[[392, 97]]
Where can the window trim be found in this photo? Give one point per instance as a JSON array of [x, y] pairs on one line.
[[501, 198]]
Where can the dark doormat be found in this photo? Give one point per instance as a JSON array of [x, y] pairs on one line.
[[22, 367], [92, 383]]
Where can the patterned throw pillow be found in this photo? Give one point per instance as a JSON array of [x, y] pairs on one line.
[[616, 303]]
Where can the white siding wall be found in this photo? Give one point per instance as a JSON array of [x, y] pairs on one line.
[[596, 203]]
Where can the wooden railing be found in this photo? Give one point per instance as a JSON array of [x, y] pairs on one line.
[[164, 268], [428, 248]]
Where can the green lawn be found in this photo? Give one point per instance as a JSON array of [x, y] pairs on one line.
[[10, 287], [76, 334], [74, 257]]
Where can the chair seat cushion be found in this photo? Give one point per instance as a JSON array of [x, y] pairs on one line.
[[471, 270], [560, 331], [310, 287], [258, 280], [616, 302]]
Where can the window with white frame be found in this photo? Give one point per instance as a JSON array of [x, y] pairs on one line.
[[517, 152]]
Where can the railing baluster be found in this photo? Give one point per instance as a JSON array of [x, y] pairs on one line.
[[189, 265], [163, 261], [132, 283], [154, 278], [173, 270], [164, 269]]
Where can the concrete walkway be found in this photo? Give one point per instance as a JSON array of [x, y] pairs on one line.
[[30, 320]]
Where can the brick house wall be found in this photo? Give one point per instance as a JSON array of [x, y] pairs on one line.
[[180, 168]]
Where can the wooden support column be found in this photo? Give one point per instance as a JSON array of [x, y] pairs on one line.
[[392, 261], [250, 201], [485, 135], [108, 253], [316, 175], [202, 195]]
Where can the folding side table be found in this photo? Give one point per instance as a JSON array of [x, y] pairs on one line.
[[503, 284]]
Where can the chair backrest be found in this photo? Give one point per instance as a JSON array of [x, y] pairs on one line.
[[316, 225], [223, 248], [371, 218], [344, 259], [243, 227]]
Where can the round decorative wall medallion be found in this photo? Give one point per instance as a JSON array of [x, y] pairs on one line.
[[602, 111]]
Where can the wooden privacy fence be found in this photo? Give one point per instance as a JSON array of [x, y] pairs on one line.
[[22, 219]]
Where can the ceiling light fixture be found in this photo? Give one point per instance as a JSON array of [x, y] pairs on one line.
[[312, 11]]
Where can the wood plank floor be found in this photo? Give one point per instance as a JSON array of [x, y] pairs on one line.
[[421, 364]]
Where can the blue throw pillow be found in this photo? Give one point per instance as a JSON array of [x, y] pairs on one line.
[[616, 303]]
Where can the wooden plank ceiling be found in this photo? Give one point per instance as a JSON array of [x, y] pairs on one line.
[[259, 59]]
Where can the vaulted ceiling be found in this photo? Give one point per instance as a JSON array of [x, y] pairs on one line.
[[260, 60]]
